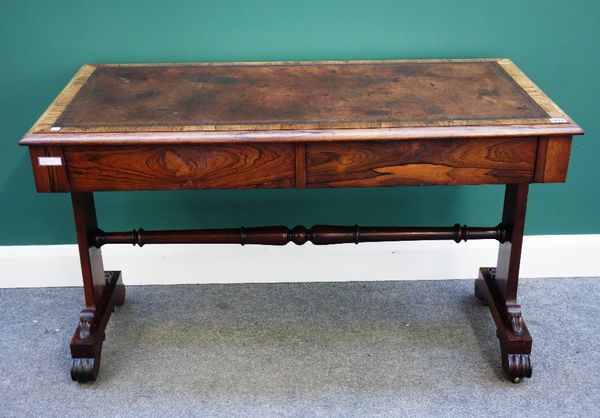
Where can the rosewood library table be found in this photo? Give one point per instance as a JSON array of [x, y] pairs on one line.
[[302, 125]]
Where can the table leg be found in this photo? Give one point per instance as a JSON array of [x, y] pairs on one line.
[[497, 287], [102, 291]]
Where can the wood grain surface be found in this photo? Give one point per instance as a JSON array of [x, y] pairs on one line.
[[183, 167], [49, 178], [312, 165], [553, 159], [452, 161]]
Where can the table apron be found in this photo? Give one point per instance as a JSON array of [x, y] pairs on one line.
[[299, 165]]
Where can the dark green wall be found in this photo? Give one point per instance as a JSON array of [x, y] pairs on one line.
[[42, 43]]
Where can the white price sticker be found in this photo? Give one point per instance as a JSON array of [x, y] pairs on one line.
[[558, 120], [49, 161]]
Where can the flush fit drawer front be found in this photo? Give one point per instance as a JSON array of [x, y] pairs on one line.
[[164, 167], [446, 161]]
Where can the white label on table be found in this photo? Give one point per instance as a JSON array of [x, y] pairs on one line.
[[49, 161], [55, 128], [558, 120]]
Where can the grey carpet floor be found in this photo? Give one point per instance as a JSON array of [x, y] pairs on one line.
[[424, 348]]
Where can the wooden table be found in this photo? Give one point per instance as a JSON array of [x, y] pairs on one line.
[[302, 125]]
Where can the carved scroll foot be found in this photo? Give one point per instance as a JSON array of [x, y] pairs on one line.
[[515, 340], [84, 369], [86, 347], [517, 366], [86, 344]]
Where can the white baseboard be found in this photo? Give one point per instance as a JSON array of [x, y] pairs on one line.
[[58, 265]]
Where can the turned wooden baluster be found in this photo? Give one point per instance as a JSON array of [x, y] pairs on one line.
[[318, 235]]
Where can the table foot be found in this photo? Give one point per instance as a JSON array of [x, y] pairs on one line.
[[515, 340], [86, 344], [84, 369], [516, 366]]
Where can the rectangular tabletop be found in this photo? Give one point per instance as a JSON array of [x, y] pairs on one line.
[[299, 101]]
